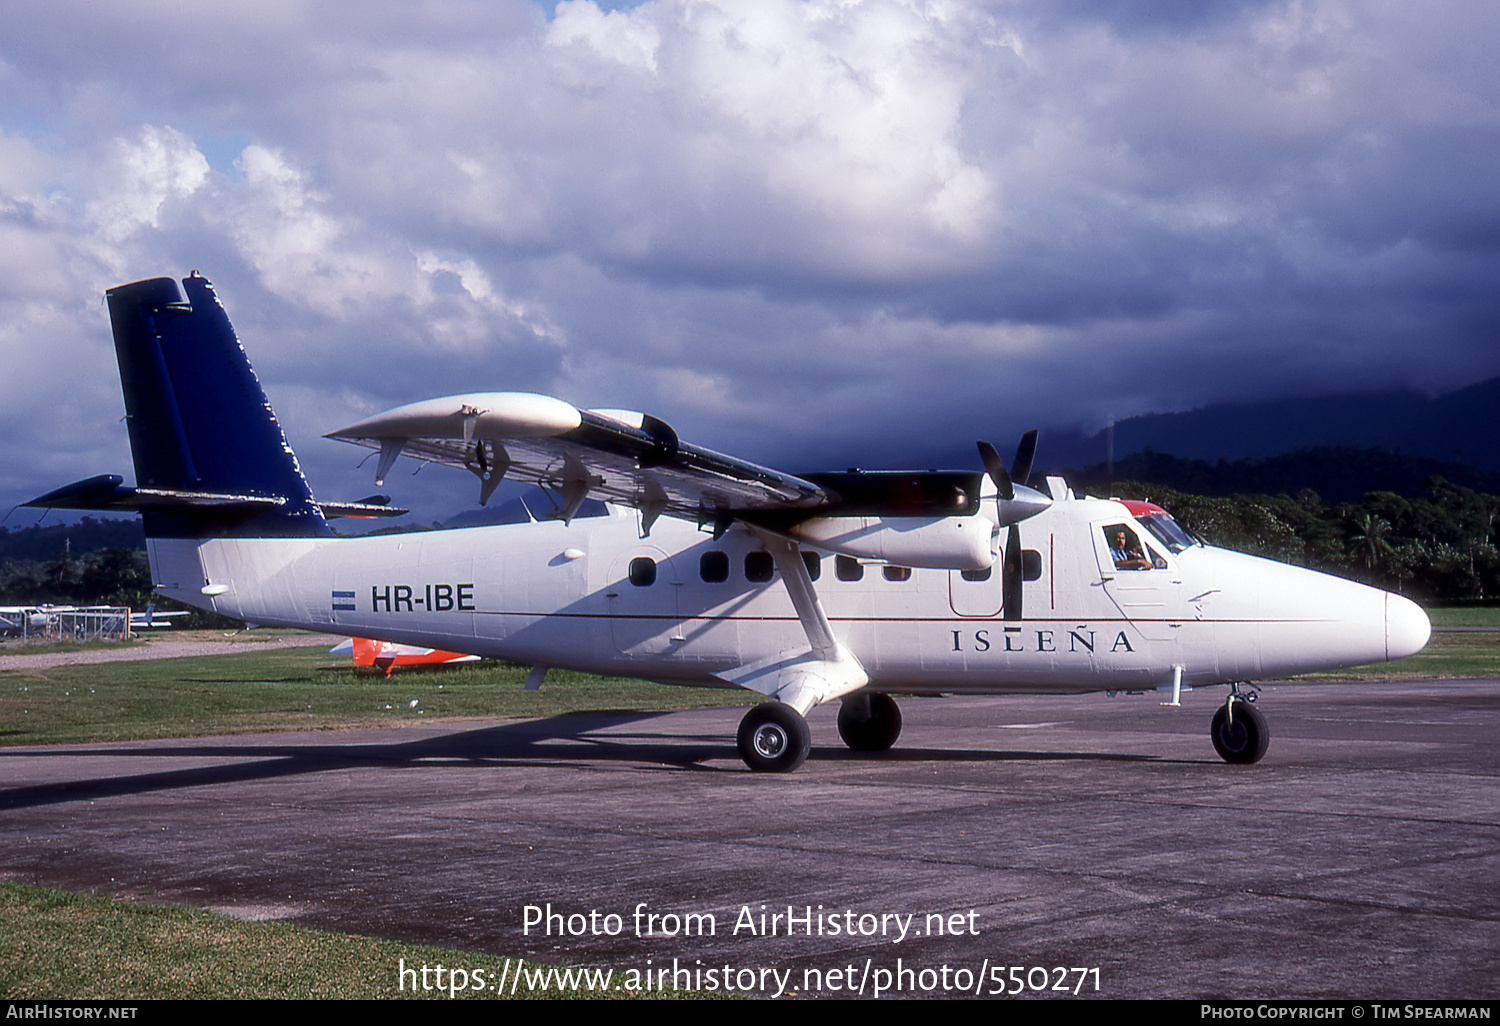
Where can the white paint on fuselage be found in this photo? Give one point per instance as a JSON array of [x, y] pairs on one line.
[[521, 592]]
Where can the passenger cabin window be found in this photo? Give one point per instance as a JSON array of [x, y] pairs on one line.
[[897, 573], [1031, 565], [643, 571], [713, 567], [759, 567], [847, 568], [814, 564], [976, 575]]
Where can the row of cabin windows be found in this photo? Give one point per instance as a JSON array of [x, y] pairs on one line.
[[713, 567]]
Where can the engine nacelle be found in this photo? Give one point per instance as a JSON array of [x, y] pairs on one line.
[[939, 543]]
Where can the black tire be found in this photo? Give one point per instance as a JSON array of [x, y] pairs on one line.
[[875, 734], [1240, 735], [774, 738]]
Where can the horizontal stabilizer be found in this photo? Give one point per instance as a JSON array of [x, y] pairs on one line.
[[105, 492]]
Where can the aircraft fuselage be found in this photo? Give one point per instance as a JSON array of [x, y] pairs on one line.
[[680, 606]]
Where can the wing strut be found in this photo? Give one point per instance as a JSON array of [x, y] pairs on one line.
[[798, 581], [802, 679]]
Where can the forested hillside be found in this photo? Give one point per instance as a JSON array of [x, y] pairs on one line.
[[1439, 546], [92, 562]]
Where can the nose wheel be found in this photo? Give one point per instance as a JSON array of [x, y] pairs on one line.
[[774, 738], [1239, 732]]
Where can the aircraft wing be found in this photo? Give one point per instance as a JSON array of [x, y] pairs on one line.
[[616, 455]]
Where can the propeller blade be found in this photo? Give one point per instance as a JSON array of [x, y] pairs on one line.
[[995, 467], [1013, 504], [1025, 454], [1011, 575]]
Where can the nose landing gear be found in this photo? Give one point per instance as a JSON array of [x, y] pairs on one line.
[[1239, 731]]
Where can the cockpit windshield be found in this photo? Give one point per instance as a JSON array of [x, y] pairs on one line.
[[1167, 531]]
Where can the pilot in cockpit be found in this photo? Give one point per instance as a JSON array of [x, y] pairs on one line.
[[1125, 547]]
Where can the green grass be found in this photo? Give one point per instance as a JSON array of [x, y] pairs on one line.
[[1474, 654], [1446, 655], [1465, 616], [295, 688], [70, 946]]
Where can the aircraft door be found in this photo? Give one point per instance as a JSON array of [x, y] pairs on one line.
[[975, 592], [642, 600], [1142, 583]]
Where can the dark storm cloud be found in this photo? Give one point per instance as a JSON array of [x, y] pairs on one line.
[[813, 233]]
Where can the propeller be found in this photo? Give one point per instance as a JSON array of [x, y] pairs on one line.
[[1014, 502]]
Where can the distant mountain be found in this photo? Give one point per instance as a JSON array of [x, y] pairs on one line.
[[1455, 435], [1461, 427], [1335, 473]]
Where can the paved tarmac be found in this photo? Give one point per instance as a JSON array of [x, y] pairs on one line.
[[1361, 858]]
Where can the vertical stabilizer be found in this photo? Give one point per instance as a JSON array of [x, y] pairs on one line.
[[199, 421]]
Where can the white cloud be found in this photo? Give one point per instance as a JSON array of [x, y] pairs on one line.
[[617, 35], [301, 252], [140, 177], [849, 112], [745, 215]]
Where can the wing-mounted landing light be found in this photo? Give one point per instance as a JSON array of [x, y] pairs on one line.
[[1013, 503]]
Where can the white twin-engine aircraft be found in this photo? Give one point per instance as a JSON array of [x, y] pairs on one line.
[[706, 570]]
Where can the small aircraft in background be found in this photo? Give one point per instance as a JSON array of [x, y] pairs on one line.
[[704, 569], [149, 618], [19, 620], [388, 655]]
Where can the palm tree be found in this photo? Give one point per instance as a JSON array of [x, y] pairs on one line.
[[1373, 538]]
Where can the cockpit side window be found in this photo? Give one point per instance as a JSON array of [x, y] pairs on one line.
[[1127, 551]]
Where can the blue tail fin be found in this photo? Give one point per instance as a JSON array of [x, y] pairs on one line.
[[210, 456]]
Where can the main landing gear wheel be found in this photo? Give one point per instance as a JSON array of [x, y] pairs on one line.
[[1239, 732], [774, 738], [869, 723]]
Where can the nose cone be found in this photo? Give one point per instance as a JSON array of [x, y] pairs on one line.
[[1407, 628]]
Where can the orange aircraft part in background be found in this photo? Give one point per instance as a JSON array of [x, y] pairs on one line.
[[388, 655]]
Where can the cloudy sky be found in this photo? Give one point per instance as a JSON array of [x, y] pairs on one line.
[[813, 234]]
